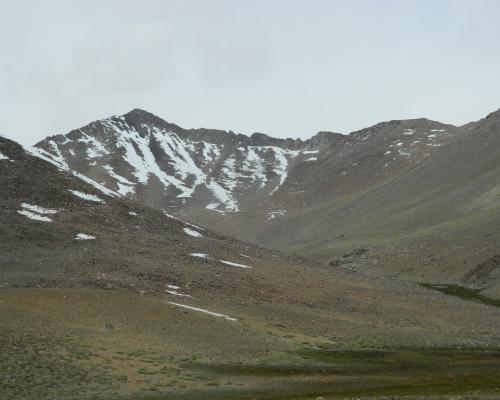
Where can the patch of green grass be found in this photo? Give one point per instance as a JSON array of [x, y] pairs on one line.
[[337, 374]]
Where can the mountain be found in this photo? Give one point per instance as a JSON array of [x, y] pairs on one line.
[[143, 157], [227, 180], [106, 297], [394, 199]]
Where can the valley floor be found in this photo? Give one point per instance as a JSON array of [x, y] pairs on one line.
[[116, 344]]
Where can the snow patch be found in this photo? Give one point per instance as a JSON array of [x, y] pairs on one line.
[[35, 217], [175, 293], [214, 314], [98, 186], [87, 196], [214, 207], [173, 287], [200, 255], [36, 213], [181, 220], [310, 152], [244, 255], [125, 187], [274, 214], [192, 232], [83, 236], [223, 195], [211, 152], [95, 148], [3, 157], [281, 169], [255, 166], [312, 159], [233, 264], [38, 209], [181, 161], [206, 257]]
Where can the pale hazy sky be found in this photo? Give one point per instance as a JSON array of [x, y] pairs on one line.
[[283, 67]]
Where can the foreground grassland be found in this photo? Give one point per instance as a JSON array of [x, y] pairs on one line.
[[94, 344]]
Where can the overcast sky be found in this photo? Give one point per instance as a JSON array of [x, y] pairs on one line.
[[286, 68]]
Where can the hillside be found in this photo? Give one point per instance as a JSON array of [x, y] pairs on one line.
[[435, 222]]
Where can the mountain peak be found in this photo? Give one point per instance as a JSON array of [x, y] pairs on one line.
[[138, 117], [139, 112]]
